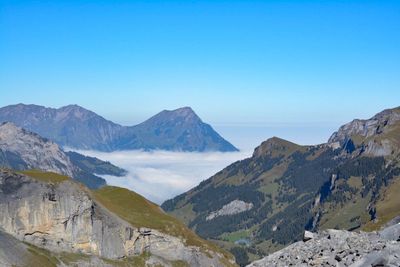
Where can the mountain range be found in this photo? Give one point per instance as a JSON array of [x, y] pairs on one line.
[[263, 203], [76, 127], [57, 212]]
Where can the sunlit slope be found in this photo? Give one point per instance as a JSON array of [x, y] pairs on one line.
[[346, 183]]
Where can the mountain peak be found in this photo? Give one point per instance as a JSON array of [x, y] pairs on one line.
[[186, 109], [380, 123], [180, 115], [74, 108], [76, 111], [275, 147], [183, 112]]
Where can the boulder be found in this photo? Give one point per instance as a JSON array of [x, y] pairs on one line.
[[307, 236]]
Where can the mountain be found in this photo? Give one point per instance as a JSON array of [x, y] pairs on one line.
[[333, 248], [263, 203], [177, 130], [71, 125], [50, 220], [74, 126], [24, 150]]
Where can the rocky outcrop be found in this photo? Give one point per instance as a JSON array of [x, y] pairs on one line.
[[33, 151], [367, 128], [233, 207], [374, 137], [24, 150], [340, 248], [64, 217]]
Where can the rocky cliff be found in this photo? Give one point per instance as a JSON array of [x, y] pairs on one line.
[[62, 216], [378, 136], [24, 150]]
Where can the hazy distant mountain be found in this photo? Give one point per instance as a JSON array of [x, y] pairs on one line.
[[24, 150], [68, 126], [260, 204], [74, 126], [180, 130]]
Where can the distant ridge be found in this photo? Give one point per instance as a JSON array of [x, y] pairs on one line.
[[74, 126]]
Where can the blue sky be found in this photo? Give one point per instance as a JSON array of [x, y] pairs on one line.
[[246, 63]]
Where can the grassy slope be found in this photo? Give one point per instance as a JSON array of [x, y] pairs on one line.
[[45, 258], [387, 207], [275, 147], [140, 212], [47, 177]]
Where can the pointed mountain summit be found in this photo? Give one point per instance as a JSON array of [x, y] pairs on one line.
[[177, 130], [77, 127]]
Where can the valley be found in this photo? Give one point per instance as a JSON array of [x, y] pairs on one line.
[[250, 209], [167, 133]]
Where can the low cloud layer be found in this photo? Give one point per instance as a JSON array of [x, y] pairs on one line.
[[161, 175]]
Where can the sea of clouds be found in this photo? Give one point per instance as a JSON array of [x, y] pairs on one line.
[[161, 175]]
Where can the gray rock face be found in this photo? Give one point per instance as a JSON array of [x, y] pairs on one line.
[[233, 207], [13, 253], [366, 128], [33, 150], [76, 127], [339, 248], [24, 150], [64, 217], [377, 134], [308, 236]]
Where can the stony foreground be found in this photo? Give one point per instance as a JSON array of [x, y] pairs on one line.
[[340, 248]]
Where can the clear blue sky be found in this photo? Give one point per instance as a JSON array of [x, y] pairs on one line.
[[234, 62]]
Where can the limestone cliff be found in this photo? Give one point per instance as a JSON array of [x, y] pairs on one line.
[[377, 136], [63, 216]]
